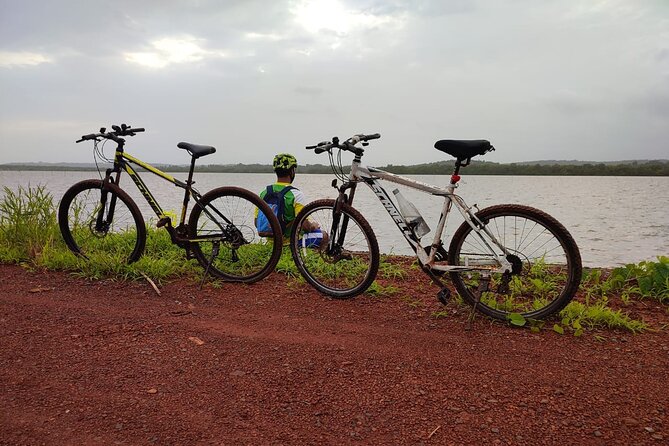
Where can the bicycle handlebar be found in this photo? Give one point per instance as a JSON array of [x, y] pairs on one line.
[[122, 130], [348, 145]]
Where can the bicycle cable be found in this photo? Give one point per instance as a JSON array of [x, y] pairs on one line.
[[337, 167], [99, 154]]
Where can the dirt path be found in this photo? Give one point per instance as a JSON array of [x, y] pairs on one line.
[[275, 363]]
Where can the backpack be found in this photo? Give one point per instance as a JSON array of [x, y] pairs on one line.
[[276, 202]]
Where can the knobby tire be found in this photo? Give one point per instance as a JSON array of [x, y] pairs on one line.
[[354, 266], [256, 257], [548, 259], [78, 210]]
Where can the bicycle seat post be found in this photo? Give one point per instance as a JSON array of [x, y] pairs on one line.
[[187, 191], [455, 177], [190, 171]]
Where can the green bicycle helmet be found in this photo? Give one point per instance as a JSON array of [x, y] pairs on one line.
[[284, 161]]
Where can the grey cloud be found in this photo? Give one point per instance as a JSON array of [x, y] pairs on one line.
[[430, 8], [309, 91], [662, 55], [523, 74], [569, 102], [655, 102]]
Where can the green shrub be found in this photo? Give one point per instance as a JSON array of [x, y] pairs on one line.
[[645, 279]]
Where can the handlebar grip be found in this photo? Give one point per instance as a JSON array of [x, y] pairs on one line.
[[374, 136], [137, 130], [320, 147], [87, 137]]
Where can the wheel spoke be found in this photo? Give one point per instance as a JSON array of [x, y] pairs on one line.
[[239, 253], [548, 257], [119, 240], [351, 267]]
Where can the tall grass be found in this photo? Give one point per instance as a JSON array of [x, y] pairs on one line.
[[29, 233], [27, 224]]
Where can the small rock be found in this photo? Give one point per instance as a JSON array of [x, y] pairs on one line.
[[544, 401], [152, 390], [494, 430], [238, 373], [195, 340], [597, 433], [657, 436], [630, 422], [649, 429]]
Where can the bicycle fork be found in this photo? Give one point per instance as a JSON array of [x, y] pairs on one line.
[[102, 221], [339, 222]]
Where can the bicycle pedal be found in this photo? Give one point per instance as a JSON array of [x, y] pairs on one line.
[[444, 296], [162, 222]]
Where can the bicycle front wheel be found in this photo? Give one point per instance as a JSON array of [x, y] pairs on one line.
[[224, 238], [349, 265], [546, 263], [101, 224]]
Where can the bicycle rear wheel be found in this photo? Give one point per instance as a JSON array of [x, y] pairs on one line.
[[545, 260], [347, 269], [225, 239], [101, 224]]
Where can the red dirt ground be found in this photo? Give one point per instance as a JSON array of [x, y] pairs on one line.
[[105, 362]]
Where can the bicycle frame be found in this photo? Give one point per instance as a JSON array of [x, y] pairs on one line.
[[123, 160], [370, 176]]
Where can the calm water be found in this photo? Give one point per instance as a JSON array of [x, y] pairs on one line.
[[613, 220]]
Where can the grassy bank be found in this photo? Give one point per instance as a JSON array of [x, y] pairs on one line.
[[29, 235]]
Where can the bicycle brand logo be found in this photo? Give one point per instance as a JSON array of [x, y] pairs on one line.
[[145, 192], [392, 210]]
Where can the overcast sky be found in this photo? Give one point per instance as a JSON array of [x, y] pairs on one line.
[[559, 79]]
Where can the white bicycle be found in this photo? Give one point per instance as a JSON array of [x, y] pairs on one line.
[[504, 259]]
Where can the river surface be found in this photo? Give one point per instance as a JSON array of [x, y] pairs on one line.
[[614, 220]]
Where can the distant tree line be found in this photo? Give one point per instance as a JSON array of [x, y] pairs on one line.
[[651, 168], [635, 168]]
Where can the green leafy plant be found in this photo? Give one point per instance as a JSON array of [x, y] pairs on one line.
[[577, 316], [645, 279]]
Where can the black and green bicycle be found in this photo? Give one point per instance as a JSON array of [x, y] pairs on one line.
[[98, 219]]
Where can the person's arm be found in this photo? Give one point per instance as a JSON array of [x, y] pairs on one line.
[[300, 202], [310, 226]]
